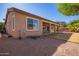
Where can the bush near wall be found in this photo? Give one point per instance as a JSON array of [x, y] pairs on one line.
[[74, 26], [1, 25]]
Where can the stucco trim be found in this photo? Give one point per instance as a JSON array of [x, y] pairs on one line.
[[13, 19]]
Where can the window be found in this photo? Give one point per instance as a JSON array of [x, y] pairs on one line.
[[32, 24], [13, 22]]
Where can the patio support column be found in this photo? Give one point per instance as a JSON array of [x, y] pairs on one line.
[[50, 28], [57, 28]]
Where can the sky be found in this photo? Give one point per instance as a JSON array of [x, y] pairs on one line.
[[46, 10]]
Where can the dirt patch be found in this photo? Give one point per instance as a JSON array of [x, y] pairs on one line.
[[41, 46], [29, 47]]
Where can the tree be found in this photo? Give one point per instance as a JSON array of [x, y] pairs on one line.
[[68, 9], [1, 25], [73, 25]]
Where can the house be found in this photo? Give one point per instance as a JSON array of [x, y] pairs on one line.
[[19, 23]]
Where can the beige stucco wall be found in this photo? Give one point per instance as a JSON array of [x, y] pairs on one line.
[[20, 26], [9, 25]]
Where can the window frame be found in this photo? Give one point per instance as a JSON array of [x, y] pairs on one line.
[[33, 27], [13, 22]]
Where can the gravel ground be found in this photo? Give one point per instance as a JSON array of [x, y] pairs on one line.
[[37, 47]]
